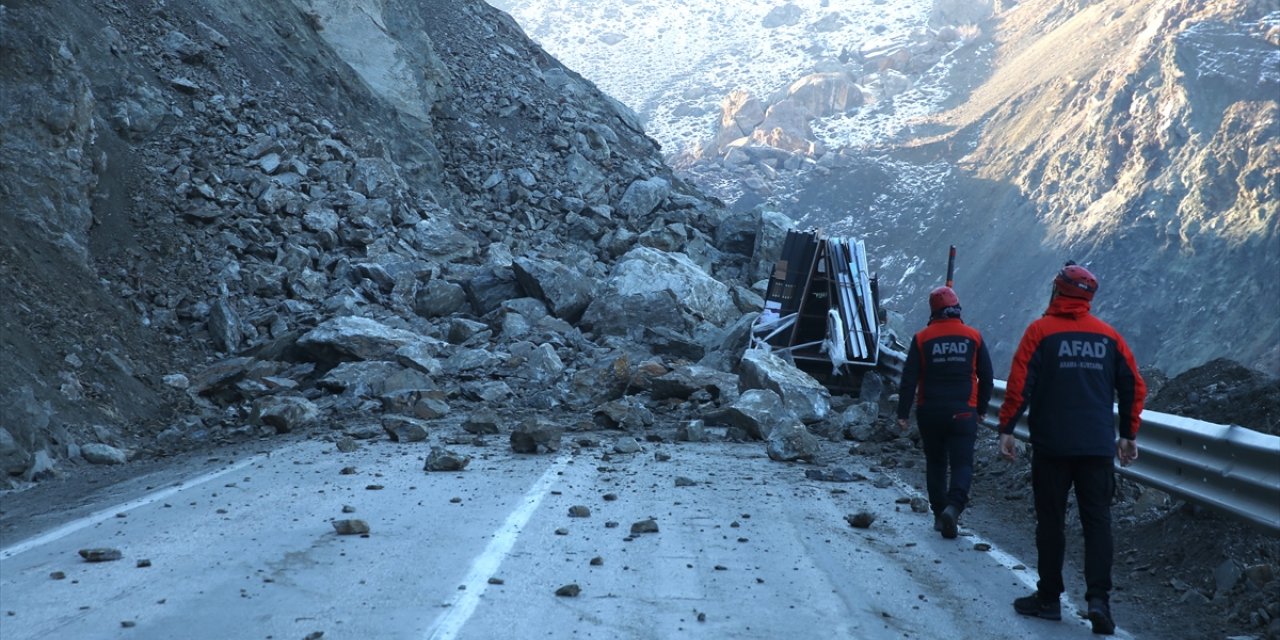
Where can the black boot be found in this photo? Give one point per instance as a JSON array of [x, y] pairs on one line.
[[1100, 616], [948, 520], [1039, 606]]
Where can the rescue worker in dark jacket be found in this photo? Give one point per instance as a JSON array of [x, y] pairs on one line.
[[1070, 368], [948, 376]]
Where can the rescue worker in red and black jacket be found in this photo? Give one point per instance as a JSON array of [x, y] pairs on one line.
[[1070, 368], [948, 376]]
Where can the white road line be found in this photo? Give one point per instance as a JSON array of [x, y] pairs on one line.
[[1008, 561], [486, 564], [99, 516]]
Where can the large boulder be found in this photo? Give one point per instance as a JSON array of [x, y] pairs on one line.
[[353, 338], [789, 115], [285, 413], [373, 379], [756, 412], [653, 288], [826, 94], [684, 381], [566, 291], [740, 112], [642, 197], [439, 298], [791, 442], [489, 288], [782, 16], [804, 396]]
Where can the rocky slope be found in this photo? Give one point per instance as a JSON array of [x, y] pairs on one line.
[[1158, 163], [1155, 164], [1139, 137], [236, 218]]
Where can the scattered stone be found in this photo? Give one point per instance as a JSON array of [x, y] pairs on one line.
[[792, 442], [497, 581], [919, 504], [533, 436], [611, 525], [579, 511], [97, 453], [350, 527], [441, 459], [562, 531], [981, 546], [58, 575], [661, 456], [861, 519], [285, 413], [128, 624], [404, 429], [682, 481], [610, 497], [348, 471], [346, 508], [1227, 576], [644, 526], [101, 554], [347, 445], [756, 411], [144, 563], [626, 445], [1259, 575], [692, 431], [483, 422], [597, 561], [374, 487], [569, 591]]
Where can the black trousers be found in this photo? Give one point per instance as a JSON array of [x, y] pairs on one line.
[[948, 446], [1094, 481]]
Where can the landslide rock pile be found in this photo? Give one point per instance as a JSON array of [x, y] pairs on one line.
[[241, 219], [1223, 392]]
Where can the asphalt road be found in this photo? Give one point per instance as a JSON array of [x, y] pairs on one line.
[[244, 548]]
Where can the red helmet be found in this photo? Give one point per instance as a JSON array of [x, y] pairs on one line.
[[1075, 281], [941, 298]]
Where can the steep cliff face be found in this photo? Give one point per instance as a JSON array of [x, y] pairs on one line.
[[188, 189], [1144, 139]]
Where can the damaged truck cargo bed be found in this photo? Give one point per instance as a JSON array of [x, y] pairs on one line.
[[822, 309]]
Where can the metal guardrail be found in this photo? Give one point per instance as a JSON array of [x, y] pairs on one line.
[[1224, 467]]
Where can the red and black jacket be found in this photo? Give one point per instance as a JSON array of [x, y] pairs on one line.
[[1070, 368], [948, 370]]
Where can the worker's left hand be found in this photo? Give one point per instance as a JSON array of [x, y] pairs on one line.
[[903, 424]]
